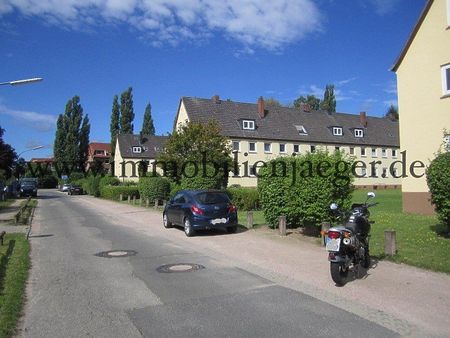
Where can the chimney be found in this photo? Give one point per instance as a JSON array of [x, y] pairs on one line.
[[216, 99], [261, 107], [363, 118]]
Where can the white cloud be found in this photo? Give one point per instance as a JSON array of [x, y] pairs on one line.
[[383, 7], [268, 24], [391, 88], [344, 82], [37, 121]]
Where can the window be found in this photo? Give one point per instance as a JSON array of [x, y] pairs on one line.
[[236, 146], [137, 150], [384, 152], [301, 130], [352, 151], [296, 148], [359, 133], [313, 149], [337, 131], [179, 199], [394, 152], [282, 148], [252, 147], [248, 124], [267, 147], [374, 152], [99, 152], [337, 148], [363, 151], [252, 171], [446, 79]]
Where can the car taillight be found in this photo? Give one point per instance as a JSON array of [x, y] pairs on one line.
[[232, 208], [197, 210], [334, 234]]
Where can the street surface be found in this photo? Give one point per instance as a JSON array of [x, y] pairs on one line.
[[253, 284]]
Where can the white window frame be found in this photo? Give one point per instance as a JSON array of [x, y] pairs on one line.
[[374, 152], [270, 148], [238, 145], [298, 150], [252, 151], [394, 153], [383, 152], [359, 133], [445, 84], [337, 131], [248, 125], [301, 130], [448, 13], [137, 150], [363, 152], [285, 151]]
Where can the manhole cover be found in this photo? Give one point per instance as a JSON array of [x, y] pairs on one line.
[[179, 267], [116, 253]]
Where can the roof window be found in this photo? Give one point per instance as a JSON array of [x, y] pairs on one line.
[[359, 133], [137, 150], [337, 131], [301, 130], [248, 125]]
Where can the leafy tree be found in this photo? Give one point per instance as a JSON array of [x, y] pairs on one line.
[[310, 100], [73, 116], [197, 143], [7, 157], [59, 146], [126, 112], [392, 112], [329, 100], [114, 126], [148, 127], [84, 139], [271, 101]]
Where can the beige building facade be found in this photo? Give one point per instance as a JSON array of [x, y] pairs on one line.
[[423, 83]]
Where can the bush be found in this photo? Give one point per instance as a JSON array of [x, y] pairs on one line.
[[200, 180], [154, 188], [108, 180], [244, 198], [438, 179], [303, 187], [76, 176], [48, 181], [113, 192]]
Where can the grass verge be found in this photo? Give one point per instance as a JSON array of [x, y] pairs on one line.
[[6, 203], [25, 214], [14, 265]]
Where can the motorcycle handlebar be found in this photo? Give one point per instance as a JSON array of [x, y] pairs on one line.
[[372, 204]]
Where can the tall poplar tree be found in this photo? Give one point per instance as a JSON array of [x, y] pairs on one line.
[[84, 139], [74, 114], [329, 100], [148, 128], [114, 126], [59, 145], [126, 112]]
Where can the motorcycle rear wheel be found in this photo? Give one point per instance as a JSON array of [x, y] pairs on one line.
[[338, 273]]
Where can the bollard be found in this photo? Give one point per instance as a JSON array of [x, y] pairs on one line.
[[325, 226], [249, 219], [147, 203], [134, 200], [120, 197], [390, 245], [164, 203], [141, 202], [156, 203], [282, 225], [129, 198]]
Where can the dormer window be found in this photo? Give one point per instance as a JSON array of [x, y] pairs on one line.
[[248, 125], [337, 131], [301, 130], [137, 150], [359, 133]]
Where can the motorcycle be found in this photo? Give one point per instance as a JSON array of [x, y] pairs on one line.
[[348, 244]]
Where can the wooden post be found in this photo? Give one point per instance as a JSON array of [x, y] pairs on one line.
[[282, 225], [134, 200], [129, 198], [390, 244], [120, 197], [156, 203], [325, 226], [164, 203], [141, 201], [147, 203], [249, 219]]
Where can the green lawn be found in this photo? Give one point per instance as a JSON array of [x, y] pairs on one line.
[[419, 242], [7, 203], [14, 265]]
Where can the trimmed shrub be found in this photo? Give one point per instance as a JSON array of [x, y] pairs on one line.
[[438, 179], [303, 187], [244, 198], [197, 179], [174, 189], [91, 185], [113, 192], [108, 180], [154, 188]]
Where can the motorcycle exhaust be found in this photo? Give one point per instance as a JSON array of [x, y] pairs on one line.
[[346, 241]]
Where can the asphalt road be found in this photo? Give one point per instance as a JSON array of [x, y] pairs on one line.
[[75, 293]]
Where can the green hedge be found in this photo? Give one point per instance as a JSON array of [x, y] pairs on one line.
[[193, 179], [113, 192], [244, 198], [154, 188], [304, 195]]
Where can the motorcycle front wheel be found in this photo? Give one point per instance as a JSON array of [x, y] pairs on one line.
[[338, 273]]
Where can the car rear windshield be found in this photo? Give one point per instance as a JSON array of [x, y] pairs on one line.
[[212, 198]]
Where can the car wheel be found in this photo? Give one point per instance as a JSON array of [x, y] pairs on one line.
[[188, 230], [231, 230], [166, 222]]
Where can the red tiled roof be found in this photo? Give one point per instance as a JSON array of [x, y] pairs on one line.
[[41, 159], [100, 146]]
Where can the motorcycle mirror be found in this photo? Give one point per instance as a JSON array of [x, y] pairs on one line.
[[371, 194], [334, 206]]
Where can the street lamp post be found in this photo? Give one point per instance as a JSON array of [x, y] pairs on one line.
[[34, 148], [21, 82]]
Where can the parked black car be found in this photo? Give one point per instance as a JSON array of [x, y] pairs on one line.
[[201, 209], [75, 190], [28, 188]]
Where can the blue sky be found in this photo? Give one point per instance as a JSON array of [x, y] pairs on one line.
[[166, 49]]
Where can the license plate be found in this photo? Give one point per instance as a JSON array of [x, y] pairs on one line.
[[333, 244], [219, 221]]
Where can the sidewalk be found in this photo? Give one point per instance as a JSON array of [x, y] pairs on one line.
[[408, 300]]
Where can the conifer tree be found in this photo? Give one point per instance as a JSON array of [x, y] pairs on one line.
[[84, 139], [329, 100], [148, 128], [126, 112], [114, 126]]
